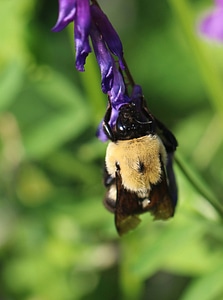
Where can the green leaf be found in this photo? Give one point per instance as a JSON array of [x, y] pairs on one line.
[[207, 287], [68, 166], [14, 17], [10, 83], [171, 240], [55, 131], [57, 90], [198, 183]]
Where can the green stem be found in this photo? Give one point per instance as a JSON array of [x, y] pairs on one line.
[[208, 70], [131, 285]]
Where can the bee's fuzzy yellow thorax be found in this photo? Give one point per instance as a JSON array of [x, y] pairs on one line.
[[139, 161]]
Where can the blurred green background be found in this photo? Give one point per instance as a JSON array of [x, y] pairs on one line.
[[57, 241]]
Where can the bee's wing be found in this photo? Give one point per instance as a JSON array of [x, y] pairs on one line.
[[171, 179], [127, 208], [124, 204], [168, 139], [162, 202], [162, 131], [170, 144]]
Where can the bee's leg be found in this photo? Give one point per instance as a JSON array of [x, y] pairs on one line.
[[111, 194], [110, 203]]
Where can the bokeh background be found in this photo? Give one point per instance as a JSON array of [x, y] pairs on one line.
[[57, 241]]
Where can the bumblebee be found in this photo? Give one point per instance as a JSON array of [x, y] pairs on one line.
[[138, 173]]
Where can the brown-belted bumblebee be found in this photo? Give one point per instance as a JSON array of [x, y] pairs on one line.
[[138, 166]]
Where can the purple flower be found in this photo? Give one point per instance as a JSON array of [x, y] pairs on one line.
[[86, 18], [211, 25], [77, 11], [90, 21], [106, 42]]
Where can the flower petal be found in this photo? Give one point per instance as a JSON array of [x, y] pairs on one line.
[[108, 32], [100, 132], [82, 50], [219, 2], [67, 9], [212, 25], [136, 92], [104, 58], [82, 30], [117, 94]]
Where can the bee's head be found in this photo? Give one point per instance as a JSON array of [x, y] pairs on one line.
[[133, 121]]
